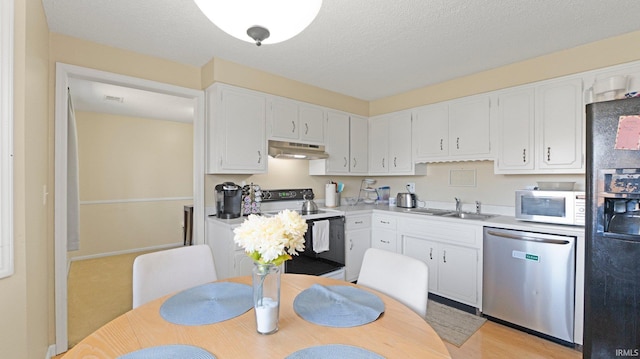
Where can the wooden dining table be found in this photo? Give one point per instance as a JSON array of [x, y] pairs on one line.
[[397, 333]]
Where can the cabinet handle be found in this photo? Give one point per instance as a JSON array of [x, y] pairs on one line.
[[385, 222], [431, 253], [524, 155], [441, 141], [359, 222], [350, 244], [382, 162], [457, 143], [444, 256], [259, 157], [548, 153], [385, 242], [346, 161], [306, 128], [293, 127], [355, 163], [395, 162]]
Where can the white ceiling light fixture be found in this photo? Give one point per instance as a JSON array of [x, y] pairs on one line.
[[261, 21]]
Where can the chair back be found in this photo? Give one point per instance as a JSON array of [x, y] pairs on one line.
[[401, 277], [159, 273]]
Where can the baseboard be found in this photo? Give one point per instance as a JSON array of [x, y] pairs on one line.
[[127, 251], [51, 351]]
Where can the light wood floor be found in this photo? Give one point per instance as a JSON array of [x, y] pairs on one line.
[[491, 341]]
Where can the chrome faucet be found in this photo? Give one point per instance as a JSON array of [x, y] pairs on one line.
[[478, 207], [458, 205]]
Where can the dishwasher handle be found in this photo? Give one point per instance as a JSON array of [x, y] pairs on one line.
[[528, 238]]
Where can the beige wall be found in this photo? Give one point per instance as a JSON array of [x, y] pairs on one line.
[[130, 158], [23, 332], [26, 316], [219, 70], [609, 52]]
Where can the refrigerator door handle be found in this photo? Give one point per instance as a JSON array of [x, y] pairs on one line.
[[528, 238]]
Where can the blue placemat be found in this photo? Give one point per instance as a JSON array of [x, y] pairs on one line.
[[338, 306], [208, 304], [334, 351], [169, 352]]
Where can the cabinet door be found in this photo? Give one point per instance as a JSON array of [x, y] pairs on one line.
[[242, 264], [516, 130], [311, 120], [357, 242], [559, 114], [469, 126], [243, 125], [384, 239], [358, 144], [400, 142], [379, 145], [431, 131], [337, 144], [284, 119], [425, 251], [458, 273]]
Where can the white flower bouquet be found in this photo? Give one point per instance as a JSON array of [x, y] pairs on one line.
[[272, 240]]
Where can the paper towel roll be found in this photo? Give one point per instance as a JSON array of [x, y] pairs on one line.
[[330, 195]]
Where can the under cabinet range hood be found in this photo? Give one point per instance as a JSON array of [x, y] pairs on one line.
[[297, 151]]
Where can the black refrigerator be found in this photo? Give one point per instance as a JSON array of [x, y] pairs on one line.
[[612, 266]]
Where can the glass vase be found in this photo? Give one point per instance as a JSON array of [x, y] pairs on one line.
[[266, 297]]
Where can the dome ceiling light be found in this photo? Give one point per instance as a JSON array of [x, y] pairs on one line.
[[261, 21]]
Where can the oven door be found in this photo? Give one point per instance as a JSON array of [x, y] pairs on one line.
[[312, 263]]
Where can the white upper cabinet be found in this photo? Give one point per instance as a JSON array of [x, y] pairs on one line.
[[540, 128], [559, 114], [469, 127], [236, 141], [295, 121], [390, 144], [337, 144], [346, 144], [516, 128], [431, 131], [456, 130], [358, 144]]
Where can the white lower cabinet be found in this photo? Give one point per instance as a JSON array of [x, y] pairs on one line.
[[453, 253], [229, 259], [357, 241], [383, 234]]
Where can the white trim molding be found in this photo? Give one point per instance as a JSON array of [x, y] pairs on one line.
[[63, 73], [136, 200], [6, 138]]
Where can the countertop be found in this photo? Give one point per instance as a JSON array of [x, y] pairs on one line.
[[499, 221]]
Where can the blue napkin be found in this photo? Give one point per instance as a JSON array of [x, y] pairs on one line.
[[208, 304], [334, 351], [169, 352], [338, 306]]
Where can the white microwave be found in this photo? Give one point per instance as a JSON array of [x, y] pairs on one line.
[[559, 207]]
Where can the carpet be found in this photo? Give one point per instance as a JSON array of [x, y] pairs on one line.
[[452, 325], [99, 290]]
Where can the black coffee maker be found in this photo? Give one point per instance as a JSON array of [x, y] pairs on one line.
[[228, 200]]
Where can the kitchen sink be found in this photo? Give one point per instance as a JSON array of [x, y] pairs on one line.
[[468, 215], [427, 211]]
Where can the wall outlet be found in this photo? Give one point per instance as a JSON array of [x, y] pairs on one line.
[[411, 187]]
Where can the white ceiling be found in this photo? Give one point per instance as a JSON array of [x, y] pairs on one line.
[[368, 49]]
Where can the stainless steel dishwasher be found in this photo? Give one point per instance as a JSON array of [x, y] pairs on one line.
[[529, 280]]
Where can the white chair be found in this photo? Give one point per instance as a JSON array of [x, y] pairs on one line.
[[159, 273], [403, 278]]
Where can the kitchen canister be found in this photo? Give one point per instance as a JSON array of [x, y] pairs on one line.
[[330, 194]]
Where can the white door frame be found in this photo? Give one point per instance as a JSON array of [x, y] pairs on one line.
[[63, 73]]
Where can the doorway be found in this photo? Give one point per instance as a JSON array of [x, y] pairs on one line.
[[65, 75]]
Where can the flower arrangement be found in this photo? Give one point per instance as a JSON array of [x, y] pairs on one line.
[[272, 240]]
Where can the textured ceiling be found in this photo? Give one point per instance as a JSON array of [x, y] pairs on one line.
[[367, 49]]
